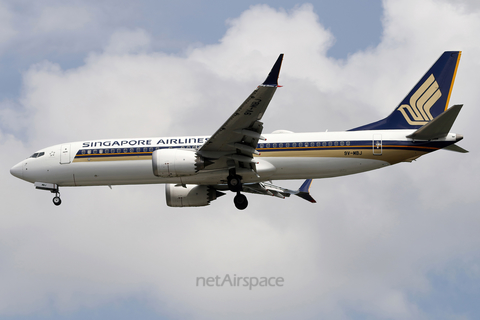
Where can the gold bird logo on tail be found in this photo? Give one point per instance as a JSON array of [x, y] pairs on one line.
[[418, 112]]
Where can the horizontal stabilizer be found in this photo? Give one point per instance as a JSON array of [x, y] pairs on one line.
[[304, 191], [271, 190], [455, 148], [438, 127]]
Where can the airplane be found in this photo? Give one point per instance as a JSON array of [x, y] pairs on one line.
[[238, 157]]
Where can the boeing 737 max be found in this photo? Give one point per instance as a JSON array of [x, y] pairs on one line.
[[239, 158]]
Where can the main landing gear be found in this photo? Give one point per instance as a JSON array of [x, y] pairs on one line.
[[235, 185]]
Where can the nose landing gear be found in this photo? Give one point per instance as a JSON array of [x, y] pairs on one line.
[[53, 188], [56, 200]]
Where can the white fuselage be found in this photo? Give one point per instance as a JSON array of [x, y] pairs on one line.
[[282, 156]]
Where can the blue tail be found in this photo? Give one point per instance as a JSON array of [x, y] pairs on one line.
[[428, 99]]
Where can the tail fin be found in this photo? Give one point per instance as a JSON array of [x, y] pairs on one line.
[[428, 99]]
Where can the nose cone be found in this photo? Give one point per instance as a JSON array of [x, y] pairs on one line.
[[17, 170]]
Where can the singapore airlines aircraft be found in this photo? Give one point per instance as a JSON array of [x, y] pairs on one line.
[[239, 158]]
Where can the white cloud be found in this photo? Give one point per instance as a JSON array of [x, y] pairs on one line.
[[366, 248]]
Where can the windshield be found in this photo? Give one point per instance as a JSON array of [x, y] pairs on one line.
[[37, 154]]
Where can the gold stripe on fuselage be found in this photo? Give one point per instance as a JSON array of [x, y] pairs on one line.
[[389, 153]]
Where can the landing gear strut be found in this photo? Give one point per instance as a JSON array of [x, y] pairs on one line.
[[53, 188], [235, 184]]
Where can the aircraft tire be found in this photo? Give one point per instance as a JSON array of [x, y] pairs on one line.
[[57, 201], [240, 201]]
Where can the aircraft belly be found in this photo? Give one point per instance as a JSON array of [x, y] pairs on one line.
[[133, 172], [322, 167]]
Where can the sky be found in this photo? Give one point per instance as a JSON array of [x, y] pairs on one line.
[[398, 243]]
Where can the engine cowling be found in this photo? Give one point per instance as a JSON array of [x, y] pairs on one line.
[[190, 195], [175, 163]]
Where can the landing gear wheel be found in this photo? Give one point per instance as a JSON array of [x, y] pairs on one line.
[[234, 183], [240, 201], [57, 201]]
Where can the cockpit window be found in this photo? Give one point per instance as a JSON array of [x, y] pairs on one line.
[[37, 154]]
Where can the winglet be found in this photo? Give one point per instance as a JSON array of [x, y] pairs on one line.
[[304, 191], [272, 79]]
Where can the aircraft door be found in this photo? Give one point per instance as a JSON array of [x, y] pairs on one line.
[[377, 145], [65, 154]]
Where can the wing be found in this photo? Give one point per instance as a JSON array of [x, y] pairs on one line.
[[235, 142]]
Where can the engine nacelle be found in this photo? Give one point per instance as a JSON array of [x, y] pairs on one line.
[[175, 163], [190, 195]]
